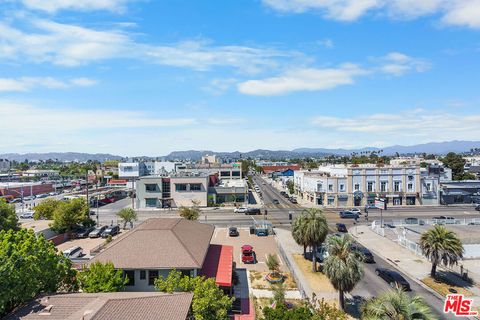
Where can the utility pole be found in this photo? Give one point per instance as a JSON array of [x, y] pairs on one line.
[[86, 177]]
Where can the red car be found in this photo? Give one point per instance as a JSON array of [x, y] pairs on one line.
[[248, 255]]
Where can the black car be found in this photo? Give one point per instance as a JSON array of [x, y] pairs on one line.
[[97, 232], [83, 232], [293, 200], [341, 227], [253, 211], [393, 278], [367, 256], [477, 207], [233, 232], [111, 231]]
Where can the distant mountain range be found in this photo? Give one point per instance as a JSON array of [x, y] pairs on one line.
[[437, 148]]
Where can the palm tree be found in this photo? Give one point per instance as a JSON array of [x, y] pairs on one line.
[[343, 266], [441, 246], [298, 232], [314, 231], [128, 215], [396, 304]]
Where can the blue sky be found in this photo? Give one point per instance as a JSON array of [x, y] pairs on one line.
[[146, 77]]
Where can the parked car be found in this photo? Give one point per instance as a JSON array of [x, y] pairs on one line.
[[355, 210], [275, 201], [293, 200], [444, 220], [477, 207], [283, 193], [320, 255], [341, 227], [92, 213], [97, 232], [240, 210], [367, 256], [393, 278], [253, 211], [84, 232], [29, 198], [233, 232], [412, 220], [248, 255], [43, 195], [370, 206], [111, 231], [73, 252], [348, 215], [27, 215]]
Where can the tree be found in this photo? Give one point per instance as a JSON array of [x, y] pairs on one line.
[[30, 265], [343, 266], [314, 231], [440, 245], [457, 164], [396, 304], [290, 186], [209, 301], [128, 215], [8, 216], [278, 293], [298, 232], [68, 214], [102, 277], [189, 213], [272, 263], [45, 209], [308, 310]]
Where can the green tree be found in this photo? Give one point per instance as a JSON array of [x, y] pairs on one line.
[[102, 277], [272, 263], [8, 216], [68, 214], [394, 305], [314, 230], [291, 186], [298, 232], [128, 215], [209, 301], [30, 265], [278, 293], [343, 266], [456, 162], [308, 310], [190, 213], [45, 209], [441, 246]]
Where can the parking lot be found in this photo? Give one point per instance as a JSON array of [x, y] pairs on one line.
[[261, 245]]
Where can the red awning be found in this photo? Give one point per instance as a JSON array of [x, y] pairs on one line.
[[219, 264]]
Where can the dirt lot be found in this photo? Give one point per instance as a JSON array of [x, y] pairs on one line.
[[261, 245]]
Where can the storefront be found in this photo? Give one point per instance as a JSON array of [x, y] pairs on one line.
[[357, 198], [458, 192], [411, 200], [342, 200]]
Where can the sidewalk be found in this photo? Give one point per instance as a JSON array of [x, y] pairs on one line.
[[415, 266], [264, 293]]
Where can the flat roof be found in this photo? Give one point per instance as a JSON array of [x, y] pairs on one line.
[[219, 264], [467, 234]]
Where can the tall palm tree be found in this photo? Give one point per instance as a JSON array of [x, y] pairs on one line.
[[441, 246], [314, 231], [298, 232], [396, 304], [343, 266]]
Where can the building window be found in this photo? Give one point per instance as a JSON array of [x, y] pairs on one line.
[[356, 187], [224, 173], [330, 201], [143, 275], [180, 187], [195, 187], [429, 187], [152, 275], [130, 274], [410, 178], [330, 187], [319, 187], [370, 187], [342, 187], [151, 202], [396, 186], [383, 186], [151, 187], [410, 187], [235, 173]]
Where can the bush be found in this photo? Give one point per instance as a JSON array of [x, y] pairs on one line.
[[102, 277]]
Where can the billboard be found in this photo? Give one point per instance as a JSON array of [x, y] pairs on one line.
[[380, 203]]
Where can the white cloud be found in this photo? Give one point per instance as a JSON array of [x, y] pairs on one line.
[[52, 6], [327, 43], [425, 125], [72, 45], [225, 121], [28, 83], [303, 80], [397, 64], [452, 12]]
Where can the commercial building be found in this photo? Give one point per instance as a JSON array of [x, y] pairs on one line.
[[459, 192], [431, 178], [224, 170], [42, 174]]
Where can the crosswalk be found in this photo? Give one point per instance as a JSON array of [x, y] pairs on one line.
[[282, 206]]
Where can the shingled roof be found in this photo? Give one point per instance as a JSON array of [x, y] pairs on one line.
[[103, 306], [160, 243]]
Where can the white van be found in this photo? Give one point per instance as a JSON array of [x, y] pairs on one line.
[[73, 252]]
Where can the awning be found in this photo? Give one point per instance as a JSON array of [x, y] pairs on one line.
[[219, 264]]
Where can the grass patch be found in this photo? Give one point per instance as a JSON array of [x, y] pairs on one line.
[[443, 286], [257, 280], [317, 280]]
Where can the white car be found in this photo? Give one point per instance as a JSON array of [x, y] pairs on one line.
[[240, 210], [355, 210], [27, 215]]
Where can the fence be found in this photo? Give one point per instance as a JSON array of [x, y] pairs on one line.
[[428, 222]]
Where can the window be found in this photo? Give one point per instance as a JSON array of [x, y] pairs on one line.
[[195, 187], [143, 274], [410, 187], [410, 178], [396, 186], [151, 202], [342, 187], [429, 187], [235, 173], [330, 201], [151, 187], [224, 173], [152, 275], [180, 187], [330, 187], [130, 274], [319, 187], [383, 186], [356, 187], [370, 187]]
